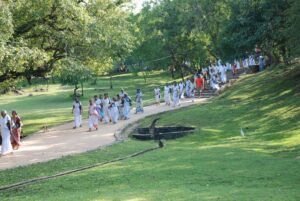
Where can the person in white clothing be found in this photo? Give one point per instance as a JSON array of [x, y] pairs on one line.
[[192, 89], [223, 74], [181, 90], [139, 101], [114, 111], [93, 116], [167, 94], [187, 88], [214, 83], [77, 112], [175, 94], [122, 93], [157, 95], [228, 66], [5, 123], [106, 103], [120, 107], [127, 106], [98, 103]]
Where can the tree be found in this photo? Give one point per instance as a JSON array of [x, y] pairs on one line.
[[181, 32], [74, 73], [260, 23], [47, 31], [292, 27]]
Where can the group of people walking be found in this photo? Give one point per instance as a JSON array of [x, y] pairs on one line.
[[10, 132], [176, 91], [104, 109]]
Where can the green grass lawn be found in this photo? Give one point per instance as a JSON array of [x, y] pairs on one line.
[[215, 163], [54, 107]]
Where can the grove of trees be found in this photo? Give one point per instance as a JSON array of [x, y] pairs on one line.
[[40, 38], [193, 33], [37, 36]]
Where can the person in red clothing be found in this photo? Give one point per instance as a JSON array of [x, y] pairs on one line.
[[234, 70], [199, 84]]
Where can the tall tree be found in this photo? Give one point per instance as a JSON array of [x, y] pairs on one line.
[[46, 31]]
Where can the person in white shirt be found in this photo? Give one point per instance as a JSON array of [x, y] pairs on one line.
[[223, 74], [157, 95], [5, 123], [114, 111], [127, 106], [93, 116], [98, 103], [181, 90], [187, 88], [77, 112], [175, 94], [106, 103], [167, 94], [139, 101]]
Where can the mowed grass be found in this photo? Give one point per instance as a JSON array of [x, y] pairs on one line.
[[54, 106], [214, 163]]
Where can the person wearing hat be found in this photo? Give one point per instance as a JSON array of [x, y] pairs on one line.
[[5, 123]]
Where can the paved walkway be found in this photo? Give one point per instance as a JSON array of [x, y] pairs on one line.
[[63, 140]]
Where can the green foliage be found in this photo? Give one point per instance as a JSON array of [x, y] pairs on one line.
[[293, 27], [73, 73], [38, 34], [201, 31], [185, 34], [261, 23]]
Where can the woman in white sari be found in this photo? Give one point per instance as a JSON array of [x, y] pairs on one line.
[[175, 95], [93, 116], [139, 101], [127, 106], [167, 95], [77, 112], [106, 103], [157, 95], [5, 123], [114, 111]]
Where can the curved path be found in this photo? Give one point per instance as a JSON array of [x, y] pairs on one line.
[[63, 140]]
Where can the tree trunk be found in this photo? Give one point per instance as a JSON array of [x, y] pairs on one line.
[[52, 79], [28, 78], [111, 84], [95, 81], [145, 76], [172, 73], [75, 90], [47, 84], [181, 73]]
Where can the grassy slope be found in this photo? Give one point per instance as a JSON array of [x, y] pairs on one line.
[[54, 107], [215, 163]]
